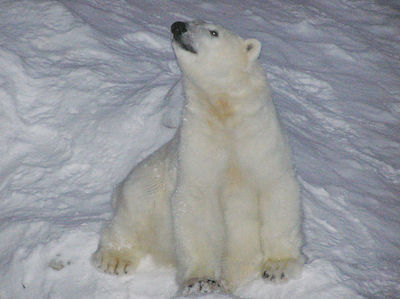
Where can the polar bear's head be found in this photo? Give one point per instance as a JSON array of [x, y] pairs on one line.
[[211, 56]]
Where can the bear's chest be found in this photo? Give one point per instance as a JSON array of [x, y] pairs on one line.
[[222, 119], [218, 113], [221, 111]]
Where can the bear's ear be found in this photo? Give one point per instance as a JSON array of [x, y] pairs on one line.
[[253, 48]]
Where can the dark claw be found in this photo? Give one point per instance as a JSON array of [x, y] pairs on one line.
[[266, 275], [116, 266], [213, 282]]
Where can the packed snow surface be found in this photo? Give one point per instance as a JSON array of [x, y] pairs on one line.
[[89, 88]]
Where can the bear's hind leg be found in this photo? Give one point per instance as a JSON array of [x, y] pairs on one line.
[[115, 253], [142, 221], [115, 260]]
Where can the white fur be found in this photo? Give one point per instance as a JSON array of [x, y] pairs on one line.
[[220, 200]]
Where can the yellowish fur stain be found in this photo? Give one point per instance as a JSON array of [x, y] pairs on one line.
[[220, 110], [234, 175]]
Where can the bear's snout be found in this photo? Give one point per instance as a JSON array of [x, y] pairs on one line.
[[178, 28]]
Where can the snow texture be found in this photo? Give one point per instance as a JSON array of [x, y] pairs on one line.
[[89, 88]]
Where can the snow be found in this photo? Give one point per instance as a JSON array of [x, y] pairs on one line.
[[89, 88]]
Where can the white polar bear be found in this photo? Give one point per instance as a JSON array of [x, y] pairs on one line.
[[220, 200]]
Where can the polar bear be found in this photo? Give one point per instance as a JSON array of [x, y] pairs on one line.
[[220, 200]]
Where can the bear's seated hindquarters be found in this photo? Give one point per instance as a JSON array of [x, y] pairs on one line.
[[220, 201]]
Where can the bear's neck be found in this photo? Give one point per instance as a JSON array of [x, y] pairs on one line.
[[222, 104]]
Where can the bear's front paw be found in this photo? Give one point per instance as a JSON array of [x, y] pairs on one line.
[[197, 286], [114, 261], [281, 270]]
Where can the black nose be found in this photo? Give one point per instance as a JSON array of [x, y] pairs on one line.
[[178, 28]]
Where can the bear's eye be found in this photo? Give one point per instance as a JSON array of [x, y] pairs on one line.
[[213, 33]]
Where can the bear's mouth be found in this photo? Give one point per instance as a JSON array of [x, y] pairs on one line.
[[185, 46], [178, 29]]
